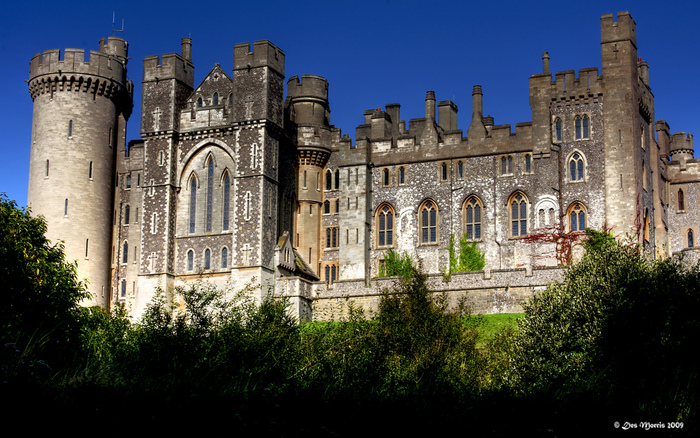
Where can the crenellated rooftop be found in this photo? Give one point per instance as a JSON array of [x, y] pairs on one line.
[[109, 62]]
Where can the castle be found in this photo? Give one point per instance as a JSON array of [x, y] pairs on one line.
[[233, 182]]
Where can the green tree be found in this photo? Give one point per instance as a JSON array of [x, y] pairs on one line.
[[40, 309], [430, 347]]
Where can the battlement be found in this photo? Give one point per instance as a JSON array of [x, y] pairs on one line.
[[681, 142], [310, 86], [172, 66], [264, 54], [624, 29], [110, 61], [309, 100], [568, 83]]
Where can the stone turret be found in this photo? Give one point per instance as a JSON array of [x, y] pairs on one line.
[[307, 108], [682, 146], [80, 113]]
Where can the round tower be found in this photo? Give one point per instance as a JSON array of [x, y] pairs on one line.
[[307, 106], [79, 122], [682, 147]]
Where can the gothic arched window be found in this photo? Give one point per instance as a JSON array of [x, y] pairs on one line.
[[557, 129], [428, 222], [337, 179], [227, 201], [690, 238], [582, 128], [207, 259], [681, 200], [125, 253], [190, 260], [518, 215], [224, 258], [126, 215], [216, 98], [329, 180], [576, 167], [210, 193], [327, 207], [193, 203], [472, 218], [385, 226], [577, 217], [506, 165]]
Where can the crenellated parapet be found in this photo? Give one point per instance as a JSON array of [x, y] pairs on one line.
[[104, 74], [172, 66], [264, 54], [307, 100]]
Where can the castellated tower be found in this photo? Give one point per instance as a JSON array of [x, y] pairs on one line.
[[257, 113], [309, 114], [79, 121], [147, 182], [629, 106]]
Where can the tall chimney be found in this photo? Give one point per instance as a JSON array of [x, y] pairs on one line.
[[187, 48], [476, 128], [545, 63], [430, 105]]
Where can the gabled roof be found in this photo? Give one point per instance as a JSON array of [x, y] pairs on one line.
[[297, 265]]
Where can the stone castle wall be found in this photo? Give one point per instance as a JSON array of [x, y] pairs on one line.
[[491, 292]]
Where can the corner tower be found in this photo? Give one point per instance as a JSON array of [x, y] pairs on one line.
[[629, 108], [79, 120]]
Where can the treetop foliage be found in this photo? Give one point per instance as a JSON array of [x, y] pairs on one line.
[[42, 292]]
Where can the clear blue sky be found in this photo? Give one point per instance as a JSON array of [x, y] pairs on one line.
[[372, 52]]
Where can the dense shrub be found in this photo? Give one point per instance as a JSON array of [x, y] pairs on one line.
[[194, 340], [620, 327]]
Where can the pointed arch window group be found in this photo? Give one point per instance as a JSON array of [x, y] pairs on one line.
[[518, 215], [582, 127], [518, 206], [385, 226], [207, 260], [210, 196], [428, 222], [577, 217], [472, 218], [576, 167]]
